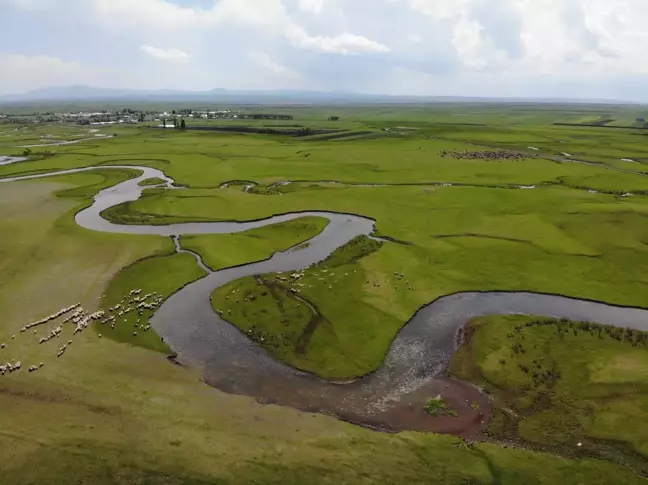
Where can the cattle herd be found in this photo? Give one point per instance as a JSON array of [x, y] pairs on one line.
[[485, 155], [81, 319]]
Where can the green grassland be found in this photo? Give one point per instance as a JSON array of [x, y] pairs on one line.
[[11, 135], [559, 383], [552, 239], [113, 413], [152, 181], [224, 251], [114, 410], [163, 274], [280, 313]]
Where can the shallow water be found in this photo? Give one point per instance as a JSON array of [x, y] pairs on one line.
[[393, 396], [61, 143], [4, 160]]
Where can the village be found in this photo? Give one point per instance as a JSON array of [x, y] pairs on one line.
[[130, 116]]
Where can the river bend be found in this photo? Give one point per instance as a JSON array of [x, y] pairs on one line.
[[389, 398]]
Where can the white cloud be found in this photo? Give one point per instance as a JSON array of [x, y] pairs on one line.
[[442, 9], [346, 43], [313, 6], [270, 16], [273, 67], [159, 14], [553, 35], [469, 46], [33, 5], [175, 55], [23, 73]]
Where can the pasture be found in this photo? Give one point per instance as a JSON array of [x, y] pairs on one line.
[[115, 410], [569, 386]]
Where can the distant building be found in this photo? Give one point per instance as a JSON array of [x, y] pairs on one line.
[[641, 119]]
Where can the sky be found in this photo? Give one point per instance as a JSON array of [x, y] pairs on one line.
[[487, 48]]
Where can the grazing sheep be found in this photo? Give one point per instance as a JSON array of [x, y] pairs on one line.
[[486, 155]]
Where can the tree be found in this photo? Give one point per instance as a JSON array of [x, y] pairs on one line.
[[173, 112], [163, 122], [334, 118], [27, 152], [183, 125], [175, 122]]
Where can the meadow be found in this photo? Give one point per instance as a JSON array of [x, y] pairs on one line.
[[572, 387], [115, 410]]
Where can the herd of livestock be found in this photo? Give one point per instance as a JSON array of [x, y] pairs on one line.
[[485, 155], [81, 319]]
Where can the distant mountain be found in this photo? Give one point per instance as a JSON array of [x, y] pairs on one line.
[[219, 95]]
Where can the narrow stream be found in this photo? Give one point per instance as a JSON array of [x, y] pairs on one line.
[[5, 160], [199, 260], [390, 398], [62, 143]]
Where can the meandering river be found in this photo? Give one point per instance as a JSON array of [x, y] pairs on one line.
[[390, 398]]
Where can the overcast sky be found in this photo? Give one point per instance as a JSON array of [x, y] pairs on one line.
[[544, 48]]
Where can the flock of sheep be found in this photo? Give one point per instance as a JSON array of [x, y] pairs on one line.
[[486, 155], [130, 303], [76, 315]]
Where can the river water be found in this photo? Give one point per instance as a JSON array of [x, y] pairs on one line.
[[5, 160], [390, 398]]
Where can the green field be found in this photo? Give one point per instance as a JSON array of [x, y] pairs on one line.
[[115, 410], [279, 313], [557, 384], [224, 251], [152, 181]]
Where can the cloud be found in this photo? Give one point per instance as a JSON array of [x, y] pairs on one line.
[[472, 47], [24, 73], [146, 13], [33, 5], [346, 43], [174, 55], [266, 16], [313, 6], [273, 67]]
